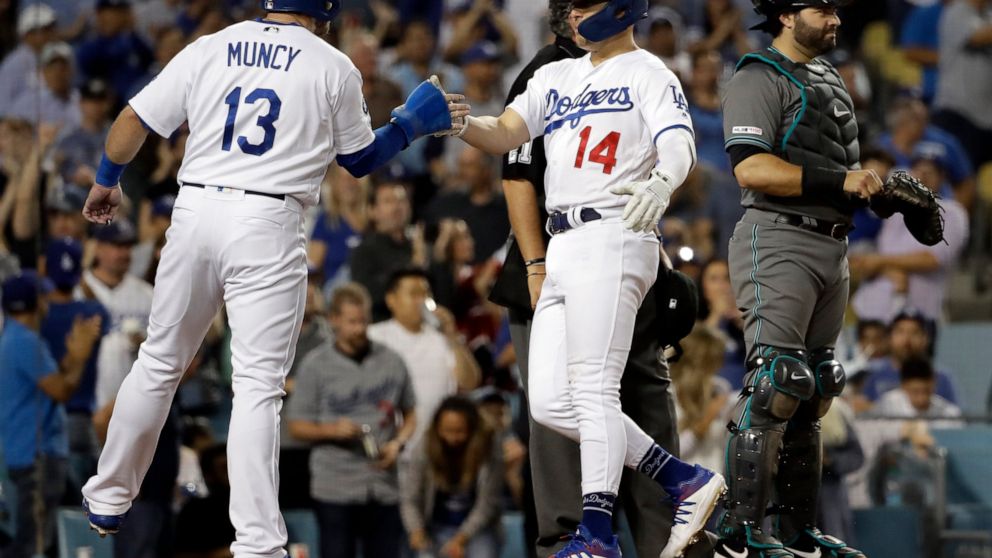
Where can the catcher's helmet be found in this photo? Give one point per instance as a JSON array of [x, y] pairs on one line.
[[771, 9], [614, 18], [321, 10]]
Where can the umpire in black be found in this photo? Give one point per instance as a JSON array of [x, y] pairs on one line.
[[644, 393], [793, 142]]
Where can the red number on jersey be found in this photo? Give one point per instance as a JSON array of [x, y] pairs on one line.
[[604, 153]]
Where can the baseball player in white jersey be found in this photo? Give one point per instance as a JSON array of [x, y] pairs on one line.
[[269, 104], [619, 141]]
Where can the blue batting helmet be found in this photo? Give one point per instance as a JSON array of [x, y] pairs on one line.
[[321, 10], [612, 19]]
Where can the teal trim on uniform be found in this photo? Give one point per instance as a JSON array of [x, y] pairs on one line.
[[790, 77], [754, 544], [750, 140], [754, 281]]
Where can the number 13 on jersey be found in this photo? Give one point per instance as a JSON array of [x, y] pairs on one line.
[[265, 121], [604, 152]]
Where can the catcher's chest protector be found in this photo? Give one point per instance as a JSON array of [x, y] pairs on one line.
[[825, 132]]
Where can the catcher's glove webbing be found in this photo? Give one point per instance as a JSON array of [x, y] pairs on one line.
[[920, 211]]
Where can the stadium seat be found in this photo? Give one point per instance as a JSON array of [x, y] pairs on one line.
[[301, 526], [76, 540], [968, 493], [969, 452], [888, 531]]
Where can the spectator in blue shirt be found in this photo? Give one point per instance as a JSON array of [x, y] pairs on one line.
[[77, 152], [33, 387], [704, 108], [57, 102], [339, 227], [19, 71], [63, 267], [919, 42], [117, 53], [909, 337]]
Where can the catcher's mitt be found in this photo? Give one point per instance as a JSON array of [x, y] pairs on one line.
[[920, 211]]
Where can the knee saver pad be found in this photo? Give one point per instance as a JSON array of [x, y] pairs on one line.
[[828, 372], [781, 379]]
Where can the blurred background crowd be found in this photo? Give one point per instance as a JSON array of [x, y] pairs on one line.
[[397, 321]]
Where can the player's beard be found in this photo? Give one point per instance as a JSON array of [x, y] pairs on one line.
[[815, 40]]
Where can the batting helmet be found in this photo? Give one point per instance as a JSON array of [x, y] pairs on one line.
[[614, 18], [771, 9], [321, 10]]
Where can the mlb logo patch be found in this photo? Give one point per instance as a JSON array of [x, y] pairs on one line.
[[747, 130]]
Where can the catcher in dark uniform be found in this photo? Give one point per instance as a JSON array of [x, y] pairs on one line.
[[792, 140]]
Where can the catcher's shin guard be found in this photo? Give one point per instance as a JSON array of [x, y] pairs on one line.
[[779, 381], [797, 485]]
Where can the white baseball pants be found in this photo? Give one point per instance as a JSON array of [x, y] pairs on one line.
[[247, 252], [598, 274]]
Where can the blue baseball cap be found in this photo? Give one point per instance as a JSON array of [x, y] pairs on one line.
[[21, 292], [120, 231], [64, 262], [932, 151], [482, 51], [162, 205]]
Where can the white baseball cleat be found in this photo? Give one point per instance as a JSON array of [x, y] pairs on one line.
[[693, 506]]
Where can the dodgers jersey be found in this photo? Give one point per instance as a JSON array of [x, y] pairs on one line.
[[269, 106], [600, 124]]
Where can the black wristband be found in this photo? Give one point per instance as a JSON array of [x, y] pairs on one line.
[[819, 179], [535, 261]]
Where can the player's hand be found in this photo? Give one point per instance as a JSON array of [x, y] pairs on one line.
[[388, 454], [102, 203], [343, 430], [535, 282], [862, 183], [648, 202], [458, 110]]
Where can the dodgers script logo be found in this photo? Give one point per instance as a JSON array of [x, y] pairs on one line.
[[572, 110]]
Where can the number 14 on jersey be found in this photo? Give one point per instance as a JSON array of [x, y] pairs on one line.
[[603, 153]]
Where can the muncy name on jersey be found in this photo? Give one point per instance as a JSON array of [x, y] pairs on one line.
[[562, 109], [261, 55]]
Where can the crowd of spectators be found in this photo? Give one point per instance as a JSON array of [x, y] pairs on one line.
[[400, 417]]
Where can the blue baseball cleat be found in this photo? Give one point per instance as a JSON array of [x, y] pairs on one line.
[[583, 545], [694, 503], [104, 524]]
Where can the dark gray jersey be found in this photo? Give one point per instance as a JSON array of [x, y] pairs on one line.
[[799, 112]]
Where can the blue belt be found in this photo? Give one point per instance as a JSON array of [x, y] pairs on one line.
[[558, 221]]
